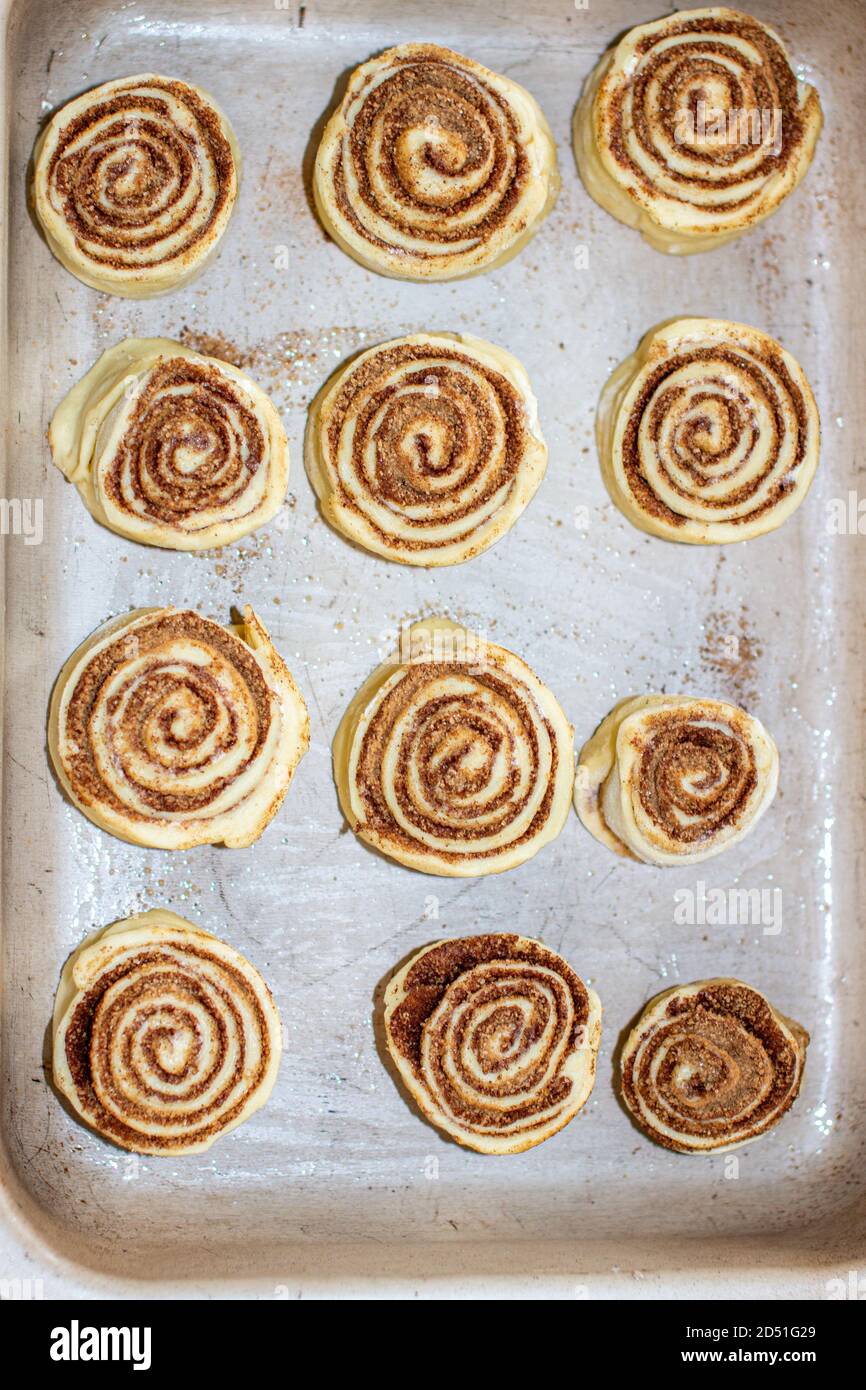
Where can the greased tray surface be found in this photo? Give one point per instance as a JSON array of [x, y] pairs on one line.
[[338, 1175]]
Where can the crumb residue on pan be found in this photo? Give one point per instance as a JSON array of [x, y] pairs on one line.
[[233, 564], [730, 653], [292, 365]]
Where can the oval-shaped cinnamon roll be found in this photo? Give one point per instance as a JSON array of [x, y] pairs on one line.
[[171, 448], [426, 449], [165, 1038], [672, 779], [433, 167], [709, 433], [495, 1037], [694, 128], [712, 1065], [454, 758], [134, 184], [169, 730]]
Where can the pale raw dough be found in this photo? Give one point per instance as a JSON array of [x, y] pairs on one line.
[[248, 785], [127, 1103], [394, 235], [185, 224], [607, 792], [456, 511], [96, 441], [400, 701]]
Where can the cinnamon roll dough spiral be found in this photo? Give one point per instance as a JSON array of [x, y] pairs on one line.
[[426, 449], [711, 1066], [171, 448], [165, 1038], [495, 1037], [455, 759], [709, 433], [433, 167], [171, 731], [671, 779], [694, 128], [134, 184]]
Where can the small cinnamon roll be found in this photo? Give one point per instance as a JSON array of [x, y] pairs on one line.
[[165, 1038], [495, 1037], [171, 731], [170, 448], [694, 128], [426, 449], [711, 1065], [433, 167], [709, 433], [454, 759], [672, 779], [134, 183]]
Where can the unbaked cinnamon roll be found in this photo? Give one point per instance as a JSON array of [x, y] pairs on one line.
[[433, 167], [672, 779], [712, 1065], [709, 433], [165, 1038], [454, 759], [694, 128], [426, 449], [171, 448], [134, 184], [169, 730], [495, 1037]]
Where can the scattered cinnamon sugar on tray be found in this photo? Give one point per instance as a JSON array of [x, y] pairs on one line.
[[731, 651], [217, 345], [290, 366]]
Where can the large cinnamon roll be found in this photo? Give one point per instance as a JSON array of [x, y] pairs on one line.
[[426, 449], [694, 128], [171, 448], [169, 730], [165, 1038], [495, 1037], [671, 779], [134, 184], [455, 759], [709, 433], [433, 167], [712, 1065]]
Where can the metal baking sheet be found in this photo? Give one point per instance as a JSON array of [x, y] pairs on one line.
[[337, 1185]]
